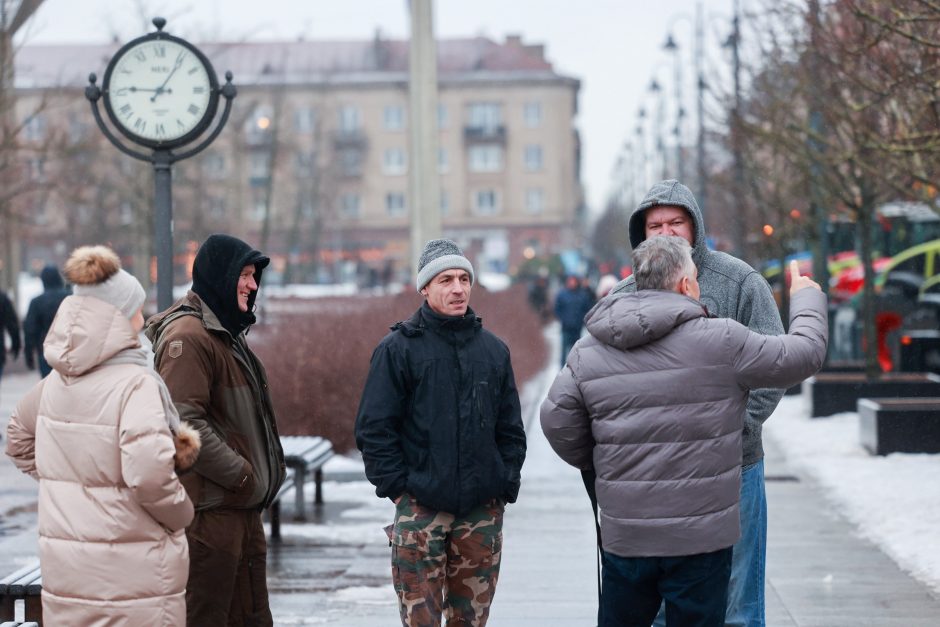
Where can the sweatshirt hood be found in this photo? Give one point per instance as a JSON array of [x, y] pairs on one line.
[[628, 320], [216, 269], [671, 193], [86, 332], [51, 279]]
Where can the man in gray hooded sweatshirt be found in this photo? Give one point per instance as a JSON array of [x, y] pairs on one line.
[[730, 288]]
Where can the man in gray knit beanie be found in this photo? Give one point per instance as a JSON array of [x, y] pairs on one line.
[[440, 430], [440, 255]]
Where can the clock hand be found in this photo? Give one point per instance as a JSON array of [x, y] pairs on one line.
[[159, 90]]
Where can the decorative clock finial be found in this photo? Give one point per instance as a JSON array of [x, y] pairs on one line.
[[159, 22]]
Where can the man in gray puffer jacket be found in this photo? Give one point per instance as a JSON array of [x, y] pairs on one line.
[[730, 289], [653, 401]]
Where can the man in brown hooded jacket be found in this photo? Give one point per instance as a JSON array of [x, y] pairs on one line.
[[220, 387]]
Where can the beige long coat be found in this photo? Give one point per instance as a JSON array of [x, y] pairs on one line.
[[111, 509]]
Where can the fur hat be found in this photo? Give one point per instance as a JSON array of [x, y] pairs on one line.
[[96, 271], [440, 255]]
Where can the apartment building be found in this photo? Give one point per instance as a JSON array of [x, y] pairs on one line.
[[312, 166]]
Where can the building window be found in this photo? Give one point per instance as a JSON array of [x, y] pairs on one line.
[[305, 120], [532, 114], [260, 166], [445, 203], [533, 157], [216, 207], [486, 202], [34, 129], [349, 119], [304, 162], [484, 115], [36, 169], [442, 119], [350, 162], [486, 158], [395, 204], [78, 128], [442, 165], [394, 118], [534, 200], [394, 161], [259, 205], [349, 205], [126, 212], [213, 166]]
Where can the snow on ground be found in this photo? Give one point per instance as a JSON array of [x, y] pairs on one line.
[[894, 500]]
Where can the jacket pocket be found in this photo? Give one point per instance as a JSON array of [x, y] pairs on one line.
[[483, 403]]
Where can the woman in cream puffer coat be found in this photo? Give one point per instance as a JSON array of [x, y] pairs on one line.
[[98, 434]]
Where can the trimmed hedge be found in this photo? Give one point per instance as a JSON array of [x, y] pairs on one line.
[[316, 352]]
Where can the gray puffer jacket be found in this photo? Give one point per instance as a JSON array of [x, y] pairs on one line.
[[730, 289], [653, 401]]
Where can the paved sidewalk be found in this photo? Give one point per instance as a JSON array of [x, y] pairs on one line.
[[334, 569]]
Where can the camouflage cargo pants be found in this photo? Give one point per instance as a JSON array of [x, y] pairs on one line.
[[443, 565]]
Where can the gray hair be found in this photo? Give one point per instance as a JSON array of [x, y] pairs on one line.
[[660, 262]]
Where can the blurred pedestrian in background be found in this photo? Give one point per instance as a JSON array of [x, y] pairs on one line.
[[9, 322], [730, 288], [652, 400], [98, 434], [219, 385], [440, 430], [39, 316], [571, 305]]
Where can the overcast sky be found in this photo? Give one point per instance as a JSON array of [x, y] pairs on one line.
[[613, 46]]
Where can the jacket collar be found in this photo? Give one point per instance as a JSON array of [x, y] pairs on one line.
[[425, 318]]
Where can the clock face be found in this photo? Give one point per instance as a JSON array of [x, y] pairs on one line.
[[159, 90]]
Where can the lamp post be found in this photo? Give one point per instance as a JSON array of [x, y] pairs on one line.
[[660, 145], [161, 93], [673, 48]]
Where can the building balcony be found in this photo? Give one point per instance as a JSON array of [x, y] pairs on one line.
[[484, 134], [350, 139]]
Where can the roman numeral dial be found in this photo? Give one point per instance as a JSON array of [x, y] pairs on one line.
[[159, 90]]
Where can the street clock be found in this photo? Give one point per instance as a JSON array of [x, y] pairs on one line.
[[160, 91]]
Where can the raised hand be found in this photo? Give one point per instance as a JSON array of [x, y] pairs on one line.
[[798, 282]]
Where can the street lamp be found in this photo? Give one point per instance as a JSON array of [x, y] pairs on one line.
[[672, 47], [660, 145]]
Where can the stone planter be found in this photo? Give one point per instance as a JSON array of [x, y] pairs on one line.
[[834, 392], [899, 425]]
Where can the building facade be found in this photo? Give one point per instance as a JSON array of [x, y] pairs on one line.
[[313, 165]]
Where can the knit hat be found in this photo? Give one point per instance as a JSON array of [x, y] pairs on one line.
[[96, 271], [440, 255]]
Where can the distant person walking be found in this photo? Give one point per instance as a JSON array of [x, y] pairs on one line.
[[571, 305], [219, 385], [39, 316], [652, 400], [441, 435], [9, 322], [98, 435]]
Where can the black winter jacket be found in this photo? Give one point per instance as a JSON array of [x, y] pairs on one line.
[[439, 416]]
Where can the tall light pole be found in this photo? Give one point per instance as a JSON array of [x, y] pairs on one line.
[[700, 105], [660, 120], [424, 185], [738, 223], [673, 48]]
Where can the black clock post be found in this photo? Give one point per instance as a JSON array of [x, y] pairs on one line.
[[161, 93]]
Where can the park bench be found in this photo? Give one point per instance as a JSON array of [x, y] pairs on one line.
[[304, 455], [20, 596], [900, 425]]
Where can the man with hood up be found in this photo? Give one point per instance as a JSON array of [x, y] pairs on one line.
[[39, 316], [730, 288], [220, 387]]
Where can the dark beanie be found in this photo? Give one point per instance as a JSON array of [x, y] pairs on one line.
[[218, 265]]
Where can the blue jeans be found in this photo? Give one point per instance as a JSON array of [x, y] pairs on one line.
[[746, 591], [568, 339], [694, 589], [749, 562]]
